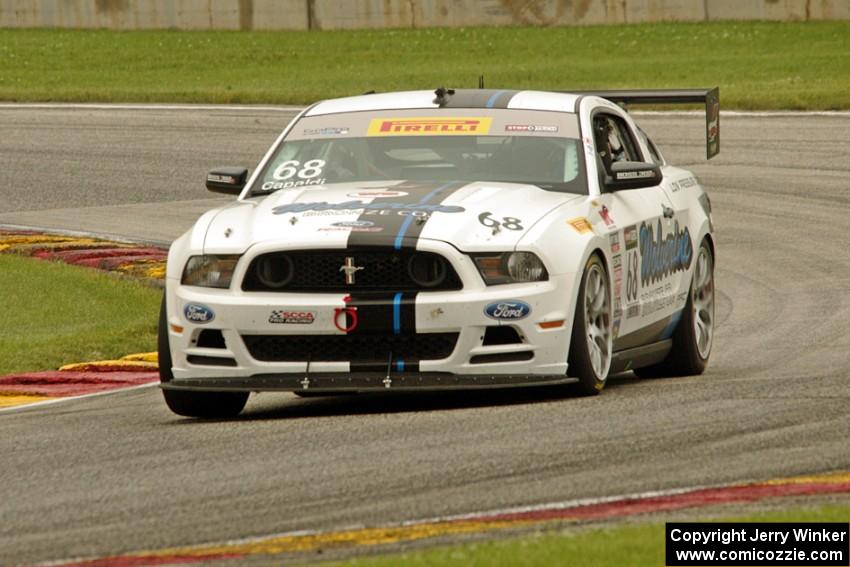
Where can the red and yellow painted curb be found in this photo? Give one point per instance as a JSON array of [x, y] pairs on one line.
[[564, 512], [119, 257], [80, 379], [131, 363], [9, 399], [83, 378]]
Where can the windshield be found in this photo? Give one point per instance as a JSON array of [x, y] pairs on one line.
[[513, 146]]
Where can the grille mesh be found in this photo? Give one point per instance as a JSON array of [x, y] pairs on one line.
[[352, 348], [385, 270]]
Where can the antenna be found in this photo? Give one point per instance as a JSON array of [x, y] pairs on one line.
[[480, 81]]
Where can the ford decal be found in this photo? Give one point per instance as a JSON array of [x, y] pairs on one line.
[[512, 309], [197, 313]]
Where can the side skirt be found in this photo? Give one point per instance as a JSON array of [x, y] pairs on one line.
[[632, 358]]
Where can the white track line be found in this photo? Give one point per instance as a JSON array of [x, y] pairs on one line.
[[51, 401], [285, 108], [121, 106], [748, 113], [563, 505], [84, 234]]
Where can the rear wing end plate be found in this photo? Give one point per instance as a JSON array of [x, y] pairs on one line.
[[709, 97]]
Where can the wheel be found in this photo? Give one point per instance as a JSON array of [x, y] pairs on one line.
[[693, 336], [192, 403], [592, 338], [209, 405], [163, 350]]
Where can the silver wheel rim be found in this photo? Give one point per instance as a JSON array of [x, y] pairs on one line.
[[597, 320], [702, 298]]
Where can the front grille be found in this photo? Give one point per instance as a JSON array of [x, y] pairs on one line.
[[372, 347], [321, 271]]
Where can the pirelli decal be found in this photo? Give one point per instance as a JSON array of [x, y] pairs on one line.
[[429, 126]]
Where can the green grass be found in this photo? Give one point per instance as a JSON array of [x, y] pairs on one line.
[[758, 65], [53, 314], [632, 545]]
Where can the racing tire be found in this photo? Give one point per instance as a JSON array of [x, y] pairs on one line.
[[163, 350], [592, 338], [694, 334], [208, 405]]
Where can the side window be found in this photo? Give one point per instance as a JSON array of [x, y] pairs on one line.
[[654, 154], [613, 140]]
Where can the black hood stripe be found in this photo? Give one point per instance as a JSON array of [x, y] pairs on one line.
[[401, 230], [479, 98], [417, 230], [394, 313]]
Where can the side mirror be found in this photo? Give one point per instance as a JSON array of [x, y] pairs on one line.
[[228, 180], [632, 175]]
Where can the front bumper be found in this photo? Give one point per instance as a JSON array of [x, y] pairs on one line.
[[539, 357]]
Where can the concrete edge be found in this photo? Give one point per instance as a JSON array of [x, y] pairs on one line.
[[289, 108], [85, 234]]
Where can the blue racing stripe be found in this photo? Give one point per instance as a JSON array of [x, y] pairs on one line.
[[397, 313], [399, 238], [493, 98]]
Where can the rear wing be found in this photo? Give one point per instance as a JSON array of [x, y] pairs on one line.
[[709, 97]]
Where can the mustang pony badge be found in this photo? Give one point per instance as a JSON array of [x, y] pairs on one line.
[[350, 269]]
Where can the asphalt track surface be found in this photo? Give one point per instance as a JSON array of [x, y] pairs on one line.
[[119, 473]]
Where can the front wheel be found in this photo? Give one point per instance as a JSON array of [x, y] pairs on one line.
[[209, 405], [694, 335], [592, 338]]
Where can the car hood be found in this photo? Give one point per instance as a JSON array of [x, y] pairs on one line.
[[471, 216]]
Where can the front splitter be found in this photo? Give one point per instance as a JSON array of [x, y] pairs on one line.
[[365, 381]]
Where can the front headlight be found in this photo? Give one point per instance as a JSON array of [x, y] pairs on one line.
[[209, 271], [510, 267]]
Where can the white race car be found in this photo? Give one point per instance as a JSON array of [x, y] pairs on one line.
[[454, 239]]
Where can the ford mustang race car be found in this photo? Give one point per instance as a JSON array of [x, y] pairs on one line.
[[453, 239]]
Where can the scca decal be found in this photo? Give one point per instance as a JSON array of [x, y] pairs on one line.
[[429, 126], [283, 316], [663, 255], [357, 205]]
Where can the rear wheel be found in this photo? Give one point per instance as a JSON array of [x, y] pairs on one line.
[[191, 403], [592, 338], [694, 335]]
